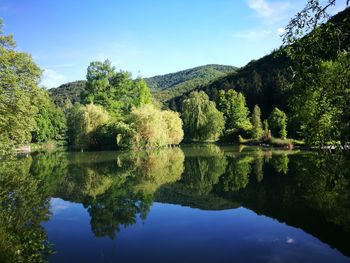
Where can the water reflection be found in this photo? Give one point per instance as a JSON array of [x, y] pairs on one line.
[[23, 206], [306, 190]]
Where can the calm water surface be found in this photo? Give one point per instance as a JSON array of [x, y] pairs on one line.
[[188, 204]]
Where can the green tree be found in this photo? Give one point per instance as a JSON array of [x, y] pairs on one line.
[[83, 121], [142, 93], [115, 91], [319, 91], [233, 105], [50, 120], [98, 87], [19, 77], [202, 121], [278, 123], [148, 126], [173, 126], [257, 130], [266, 129]]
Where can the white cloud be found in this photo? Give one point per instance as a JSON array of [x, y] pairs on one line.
[[280, 31], [271, 12], [253, 35], [58, 205], [52, 78], [261, 7], [290, 240]]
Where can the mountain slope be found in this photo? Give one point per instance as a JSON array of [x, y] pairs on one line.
[[162, 82], [68, 93], [170, 85], [265, 81]]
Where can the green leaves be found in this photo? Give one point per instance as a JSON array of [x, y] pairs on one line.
[[202, 121], [257, 130], [233, 105], [278, 123], [19, 77], [115, 91]]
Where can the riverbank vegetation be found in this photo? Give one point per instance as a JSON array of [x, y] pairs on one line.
[[113, 110]]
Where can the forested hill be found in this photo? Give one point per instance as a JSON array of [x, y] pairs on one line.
[[265, 81], [68, 93], [163, 86]]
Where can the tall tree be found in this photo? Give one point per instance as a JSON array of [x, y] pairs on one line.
[[202, 121], [83, 121], [257, 130], [19, 77], [50, 120], [142, 93], [233, 105], [115, 91], [278, 123], [319, 91]]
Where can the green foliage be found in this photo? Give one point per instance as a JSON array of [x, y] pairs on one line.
[[266, 129], [232, 104], [19, 77], [174, 127], [236, 176], [83, 121], [98, 77], [115, 91], [321, 110], [202, 121], [50, 120], [68, 94], [278, 123], [280, 163], [202, 172], [268, 80], [257, 130], [24, 205], [143, 93], [148, 126], [171, 85]]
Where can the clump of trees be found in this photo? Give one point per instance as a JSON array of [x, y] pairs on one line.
[[26, 112], [148, 127], [202, 120], [119, 112], [83, 123]]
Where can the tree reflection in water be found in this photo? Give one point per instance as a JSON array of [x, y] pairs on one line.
[[305, 190]]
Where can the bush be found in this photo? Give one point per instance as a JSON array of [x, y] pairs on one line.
[[148, 126]]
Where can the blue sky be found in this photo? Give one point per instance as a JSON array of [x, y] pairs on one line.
[[146, 37]]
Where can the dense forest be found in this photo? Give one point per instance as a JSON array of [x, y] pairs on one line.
[[165, 87], [300, 90]]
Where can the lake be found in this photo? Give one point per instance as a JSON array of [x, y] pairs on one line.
[[195, 203]]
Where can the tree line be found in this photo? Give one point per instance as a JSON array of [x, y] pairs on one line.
[[307, 78], [114, 111], [117, 111]]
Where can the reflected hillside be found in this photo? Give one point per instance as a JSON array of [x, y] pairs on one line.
[[118, 188], [295, 188]]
